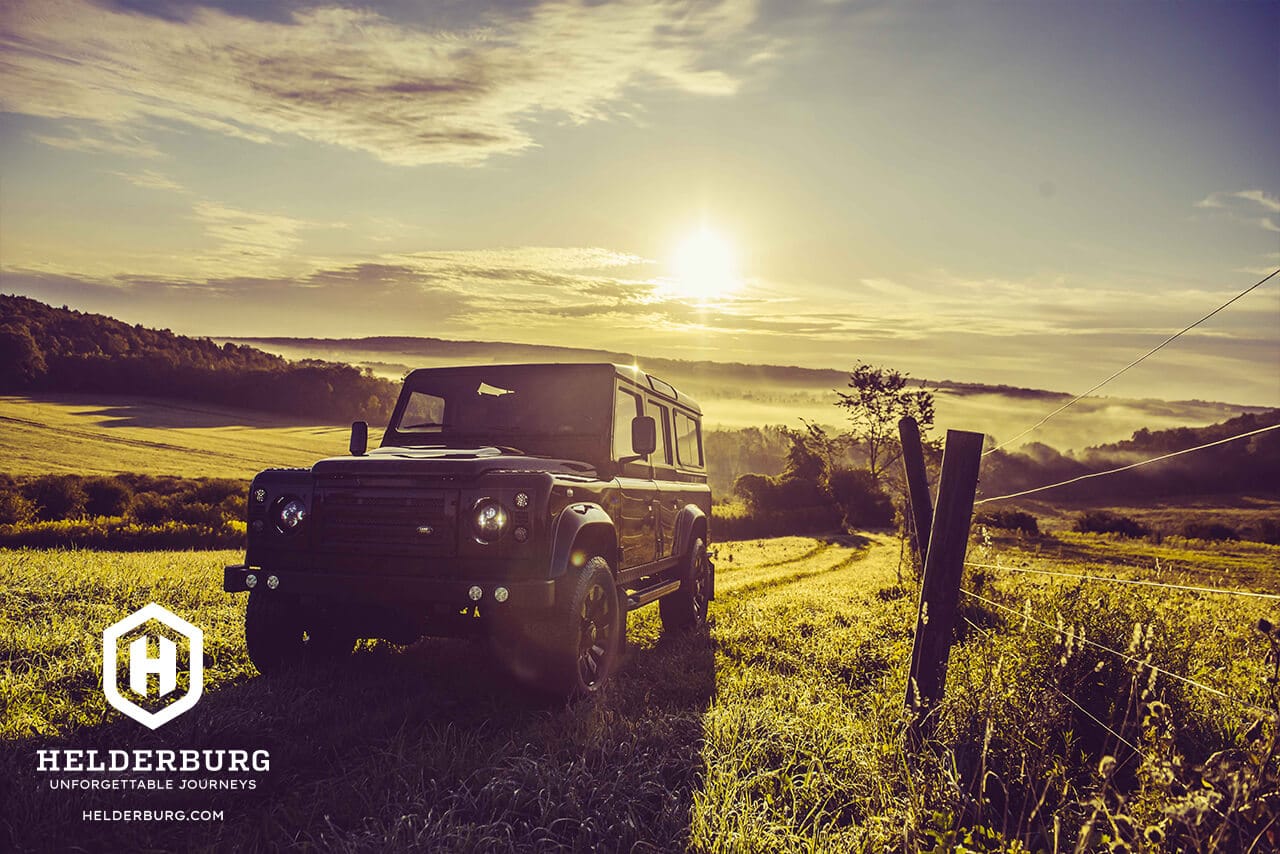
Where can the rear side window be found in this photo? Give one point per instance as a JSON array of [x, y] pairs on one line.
[[688, 440], [662, 420], [626, 406]]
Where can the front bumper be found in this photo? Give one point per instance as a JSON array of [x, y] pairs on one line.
[[392, 590]]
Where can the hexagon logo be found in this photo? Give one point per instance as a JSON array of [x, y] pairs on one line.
[[141, 665]]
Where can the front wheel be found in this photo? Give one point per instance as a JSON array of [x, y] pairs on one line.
[[589, 631], [686, 609]]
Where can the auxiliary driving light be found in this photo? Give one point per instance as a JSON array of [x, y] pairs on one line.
[[521, 534], [475, 593], [251, 580], [500, 594], [273, 582], [259, 495], [522, 500]]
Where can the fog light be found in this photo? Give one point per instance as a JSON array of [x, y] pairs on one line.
[[273, 582], [251, 580], [500, 594], [259, 495], [522, 500], [258, 524], [521, 534], [475, 593]]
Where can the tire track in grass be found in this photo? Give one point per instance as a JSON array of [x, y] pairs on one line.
[[741, 588]]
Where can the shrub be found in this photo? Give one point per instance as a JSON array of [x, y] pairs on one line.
[[152, 509], [216, 491], [753, 489], [107, 496], [770, 494], [1009, 520], [1265, 531], [15, 508], [739, 522], [1209, 531], [1106, 522], [860, 499], [56, 497]]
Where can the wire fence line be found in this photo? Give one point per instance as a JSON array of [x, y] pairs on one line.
[[1128, 467], [1132, 364], [1027, 616], [1226, 591]]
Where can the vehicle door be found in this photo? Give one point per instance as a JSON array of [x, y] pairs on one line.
[[631, 505], [666, 490]]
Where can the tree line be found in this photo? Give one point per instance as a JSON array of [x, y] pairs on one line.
[[49, 349]]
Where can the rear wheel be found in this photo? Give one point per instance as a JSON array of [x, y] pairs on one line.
[[280, 635], [686, 609]]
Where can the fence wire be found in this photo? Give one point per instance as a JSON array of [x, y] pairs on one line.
[[1104, 579]]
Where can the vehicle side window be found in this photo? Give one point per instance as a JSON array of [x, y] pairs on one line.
[[662, 419], [626, 406], [688, 440]]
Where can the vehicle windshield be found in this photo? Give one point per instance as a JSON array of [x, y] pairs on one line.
[[510, 406]]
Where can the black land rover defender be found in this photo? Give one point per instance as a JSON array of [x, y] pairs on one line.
[[534, 504]]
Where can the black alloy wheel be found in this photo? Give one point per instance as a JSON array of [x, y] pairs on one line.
[[686, 609]]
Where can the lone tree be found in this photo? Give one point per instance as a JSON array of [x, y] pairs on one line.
[[878, 399]]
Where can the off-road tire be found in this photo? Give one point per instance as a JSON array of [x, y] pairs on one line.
[[584, 635], [686, 609], [279, 635]]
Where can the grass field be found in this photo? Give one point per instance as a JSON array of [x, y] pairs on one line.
[[782, 731], [106, 434]]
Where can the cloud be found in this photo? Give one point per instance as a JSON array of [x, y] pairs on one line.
[[1269, 203], [1244, 206], [151, 180], [93, 138], [357, 79]]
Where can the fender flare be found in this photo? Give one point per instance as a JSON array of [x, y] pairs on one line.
[[576, 521], [688, 520]]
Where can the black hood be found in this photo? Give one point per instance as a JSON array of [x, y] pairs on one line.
[[417, 460]]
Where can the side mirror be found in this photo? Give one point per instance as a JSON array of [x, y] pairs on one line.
[[644, 435], [359, 438]]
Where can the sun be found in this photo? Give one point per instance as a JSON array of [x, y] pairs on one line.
[[705, 266]]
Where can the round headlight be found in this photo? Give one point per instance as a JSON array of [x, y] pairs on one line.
[[290, 513], [489, 520]]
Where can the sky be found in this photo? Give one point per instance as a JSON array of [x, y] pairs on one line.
[[1022, 193]]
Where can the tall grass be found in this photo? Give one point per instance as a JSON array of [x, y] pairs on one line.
[[782, 730]]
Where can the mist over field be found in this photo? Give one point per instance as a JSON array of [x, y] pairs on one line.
[[735, 395]]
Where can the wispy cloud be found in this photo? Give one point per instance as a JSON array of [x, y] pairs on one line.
[[358, 79], [1250, 207], [151, 180], [91, 137], [247, 242]]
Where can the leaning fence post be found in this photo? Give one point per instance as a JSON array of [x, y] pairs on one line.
[[943, 567], [917, 485]]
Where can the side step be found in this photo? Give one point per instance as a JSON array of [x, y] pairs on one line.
[[643, 597]]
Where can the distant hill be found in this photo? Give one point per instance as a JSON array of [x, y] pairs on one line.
[[47, 349], [431, 350], [1242, 467], [736, 396]]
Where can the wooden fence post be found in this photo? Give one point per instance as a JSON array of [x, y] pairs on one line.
[[944, 565], [917, 485]]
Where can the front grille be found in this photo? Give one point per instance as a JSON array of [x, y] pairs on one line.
[[409, 522]]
